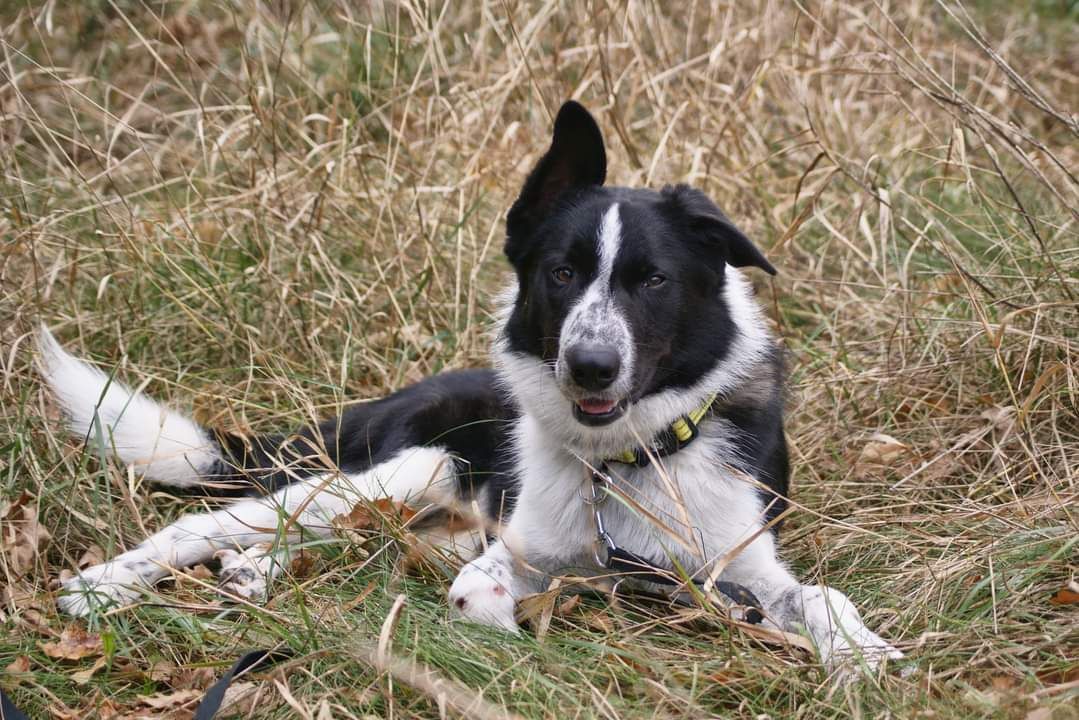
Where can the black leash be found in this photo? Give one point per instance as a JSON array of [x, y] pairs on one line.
[[8, 711], [211, 701], [253, 660]]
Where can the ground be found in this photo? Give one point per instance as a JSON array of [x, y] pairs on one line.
[[261, 211]]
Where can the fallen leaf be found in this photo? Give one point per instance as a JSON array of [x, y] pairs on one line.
[[999, 417], [21, 535], [94, 705], [34, 620], [883, 451], [83, 676], [22, 597], [161, 671], [371, 515], [171, 700], [1065, 596], [201, 572], [598, 619], [302, 564], [569, 605], [93, 555], [1059, 676], [19, 666], [74, 644], [191, 678]]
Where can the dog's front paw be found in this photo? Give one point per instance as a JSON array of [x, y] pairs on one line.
[[481, 594], [845, 644], [857, 648], [99, 587], [246, 574]]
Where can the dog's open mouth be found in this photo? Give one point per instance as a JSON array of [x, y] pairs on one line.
[[597, 411]]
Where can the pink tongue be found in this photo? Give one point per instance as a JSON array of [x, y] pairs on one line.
[[593, 406]]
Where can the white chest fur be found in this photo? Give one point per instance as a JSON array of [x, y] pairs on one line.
[[695, 507]]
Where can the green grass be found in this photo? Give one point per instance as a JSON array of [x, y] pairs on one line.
[[266, 211]]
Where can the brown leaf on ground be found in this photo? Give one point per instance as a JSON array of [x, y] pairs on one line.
[[568, 605], [1059, 676], [302, 564], [201, 572], [17, 667], [191, 678], [161, 671], [1065, 596], [22, 597], [240, 698], [83, 676], [21, 535], [96, 706], [598, 619], [171, 700], [74, 644], [882, 451], [93, 555], [371, 515]]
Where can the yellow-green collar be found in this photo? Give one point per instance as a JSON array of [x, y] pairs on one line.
[[680, 433]]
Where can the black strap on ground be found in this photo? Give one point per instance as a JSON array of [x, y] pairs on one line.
[[8, 711], [211, 701], [624, 561], [254, 660]]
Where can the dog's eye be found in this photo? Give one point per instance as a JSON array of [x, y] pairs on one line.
[[562, 274], [654, 281]]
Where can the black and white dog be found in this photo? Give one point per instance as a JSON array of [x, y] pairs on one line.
[[631, 363]]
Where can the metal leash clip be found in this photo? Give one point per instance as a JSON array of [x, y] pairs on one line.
[[604, 544]]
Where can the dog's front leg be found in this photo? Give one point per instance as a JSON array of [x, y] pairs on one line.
[[825, 614], [833, 623]]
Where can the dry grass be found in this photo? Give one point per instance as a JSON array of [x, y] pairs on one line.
[[270, 208]]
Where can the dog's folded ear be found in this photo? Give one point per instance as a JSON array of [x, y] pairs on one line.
[[576, 159], [705, 221]]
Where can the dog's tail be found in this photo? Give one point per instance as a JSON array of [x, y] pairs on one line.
[[165, 446]]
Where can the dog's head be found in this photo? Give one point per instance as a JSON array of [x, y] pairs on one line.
[[628, 310]]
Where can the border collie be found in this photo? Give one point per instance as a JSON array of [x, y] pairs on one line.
[[634, 411]]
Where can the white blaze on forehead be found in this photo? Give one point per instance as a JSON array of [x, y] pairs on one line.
[[596, 317], [610, 240]]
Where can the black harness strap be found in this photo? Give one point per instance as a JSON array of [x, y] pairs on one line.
[[211, 701], [8, 711], [623, 561], [253, 660]]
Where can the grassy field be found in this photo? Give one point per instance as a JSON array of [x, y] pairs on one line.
[[266, 210]]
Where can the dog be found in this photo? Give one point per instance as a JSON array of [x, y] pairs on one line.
[[633, 419]]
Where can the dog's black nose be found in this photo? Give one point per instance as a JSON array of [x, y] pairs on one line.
[[593, 367]]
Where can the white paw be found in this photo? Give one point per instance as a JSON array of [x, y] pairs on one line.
[[845, 644], [246, 574], [481, 594], [868, 651], [101, 586]]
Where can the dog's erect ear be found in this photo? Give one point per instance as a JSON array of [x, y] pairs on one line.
[[575, 159], [707, 221]]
